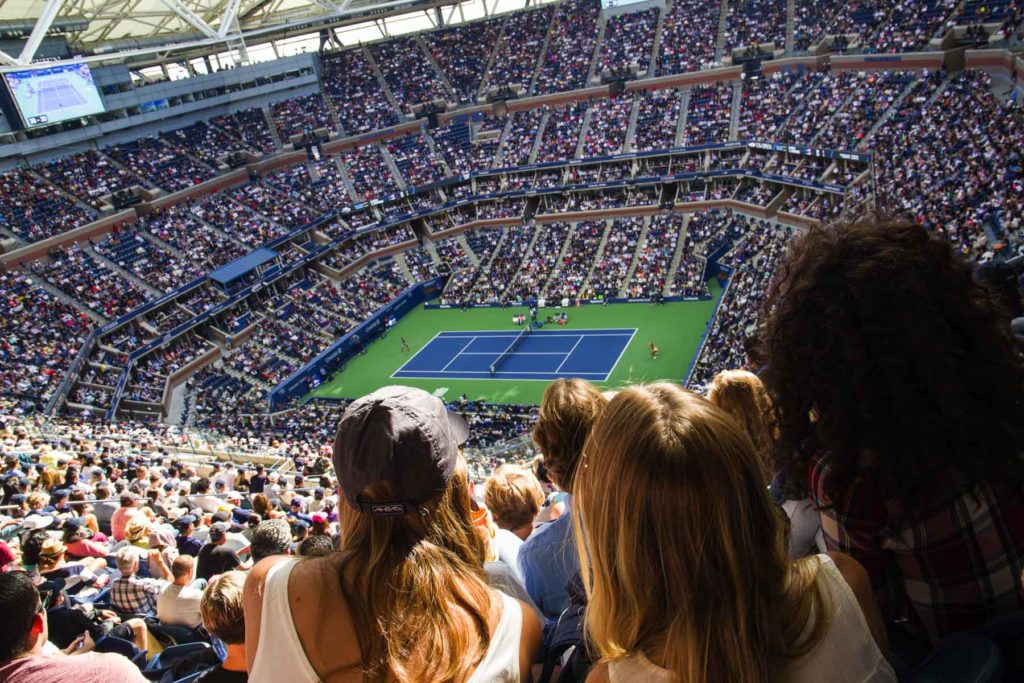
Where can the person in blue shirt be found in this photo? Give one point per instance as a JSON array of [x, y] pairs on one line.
[[548, 558]]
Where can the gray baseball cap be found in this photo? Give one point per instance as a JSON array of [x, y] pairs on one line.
[[402, 435]]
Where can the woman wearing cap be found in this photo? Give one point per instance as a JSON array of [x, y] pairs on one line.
[[400, 600], [714, 598], [81, 541]]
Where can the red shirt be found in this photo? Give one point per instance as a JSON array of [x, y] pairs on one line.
[[91, 667]]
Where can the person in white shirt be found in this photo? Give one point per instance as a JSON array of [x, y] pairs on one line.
[[178, 605], [661, 593], [203, 500]]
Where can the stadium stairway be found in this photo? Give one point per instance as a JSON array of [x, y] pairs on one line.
[[720, 37], [684, 111], [597, 255], [345, 178], [332, 110], [383, 84], [528, 252], [652, 68], [601, 24], [418, 37], [274, 135], [627, 143], [535, 149], [470, 254], [124, 272], [499, 248], [392, 166], [437, 155], [584, 128], [641, 242], [89, 210], [561, 259], [431, 249], [540, 59], [887, 114], [502, 137], [790, 13], [490, 58], [403, 266], [734, 114], [828, 122], [677, 257], [69, 300]]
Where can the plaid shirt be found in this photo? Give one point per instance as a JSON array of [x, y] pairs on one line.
[[136, 596], [951, 569]]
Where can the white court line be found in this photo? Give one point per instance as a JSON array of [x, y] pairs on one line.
[[516, 353], [487, 374], [620, 357], [569, 355], [413, 356], [456, 356]]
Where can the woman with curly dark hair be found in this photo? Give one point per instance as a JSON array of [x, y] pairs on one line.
[[898, 397]]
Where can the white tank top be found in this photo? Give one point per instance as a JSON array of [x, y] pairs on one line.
[[280, 656], [847, 653]]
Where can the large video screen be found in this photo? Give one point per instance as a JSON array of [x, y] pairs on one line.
[[54, 94]]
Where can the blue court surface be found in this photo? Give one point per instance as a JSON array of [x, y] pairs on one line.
[[545, 354]]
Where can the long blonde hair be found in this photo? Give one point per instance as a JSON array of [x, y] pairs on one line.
[[743, 396], [412, 573], [687, 560]]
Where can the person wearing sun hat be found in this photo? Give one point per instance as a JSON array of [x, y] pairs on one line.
[[398, 462], [76, 576]]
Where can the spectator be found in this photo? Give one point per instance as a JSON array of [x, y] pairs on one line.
[[187, 544], [272, 537], [216, 558], [547, 560], [224, 618], [661, 593], [514, 497], [104, 508], [25, 637], [131, 595], [178, 604], [203, 499], [742, 395], [119, 520], [367, 593], [315, 546], [902, 418]]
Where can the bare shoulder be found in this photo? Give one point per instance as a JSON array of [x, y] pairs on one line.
[[533, 631], [257, 576], [853, 573], [599, 674]]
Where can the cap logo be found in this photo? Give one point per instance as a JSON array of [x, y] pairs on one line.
[[387, 509]]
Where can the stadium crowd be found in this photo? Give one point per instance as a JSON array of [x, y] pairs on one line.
[[948, 156], [123, 543]]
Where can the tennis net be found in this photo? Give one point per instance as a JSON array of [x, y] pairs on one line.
[[510, 350]]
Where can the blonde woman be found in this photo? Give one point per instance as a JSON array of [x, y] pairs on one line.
[[742, 395], [689, 579], [406, 598]]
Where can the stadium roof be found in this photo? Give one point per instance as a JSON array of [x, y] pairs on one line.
[[230, 272], [123, 28]]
